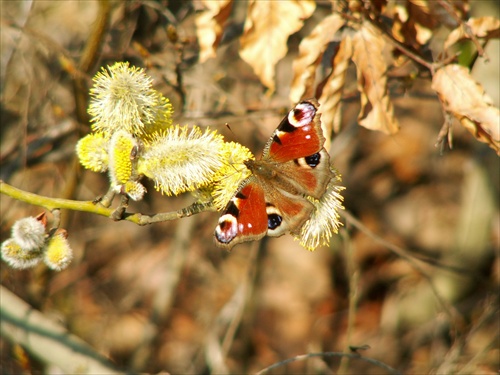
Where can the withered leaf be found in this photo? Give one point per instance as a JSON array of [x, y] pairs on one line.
[[311, 50], [483, 27], [331, 94], [210, 24], [377, 111], [465, 99], [267, 28], [413, 21]]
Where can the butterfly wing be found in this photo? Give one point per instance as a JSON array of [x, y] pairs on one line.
[[245, 217], [285, 212], [298, 135], [307, 176], [250, 215], [273, 200], [296, 151]]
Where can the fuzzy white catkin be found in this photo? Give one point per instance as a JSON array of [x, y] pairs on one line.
[[29, 233]]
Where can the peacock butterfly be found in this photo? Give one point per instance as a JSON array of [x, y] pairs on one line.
[[273, 200]]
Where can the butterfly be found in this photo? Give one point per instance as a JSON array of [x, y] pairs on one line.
[[273, 200]]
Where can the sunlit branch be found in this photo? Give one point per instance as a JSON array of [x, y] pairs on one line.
[[96, 208]]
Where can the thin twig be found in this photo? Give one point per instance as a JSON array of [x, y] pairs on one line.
[[447, 307], [445, 134], [248, 286], [452, 12], [403, 252], [395, 43], [489, 312], [304, 357], [179, 46], [106, 199], [353, 276], [88, 59], [119, 211]]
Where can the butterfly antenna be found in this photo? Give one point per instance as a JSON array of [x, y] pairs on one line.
[[233, 133]]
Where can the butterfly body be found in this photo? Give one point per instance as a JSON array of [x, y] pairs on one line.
[[275, 199]]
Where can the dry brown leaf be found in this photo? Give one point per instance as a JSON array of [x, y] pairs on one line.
[[465, 99], [210, 24], [311, 51], [377, 111], [267, 28], [414, 21], [483, 27], [331, 94]]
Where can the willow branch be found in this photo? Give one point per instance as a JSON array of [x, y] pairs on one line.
[[96, 208]]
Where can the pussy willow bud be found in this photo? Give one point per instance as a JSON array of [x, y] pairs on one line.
[[58, 254], [17, 257], [92, 151], [123, 150], [123, 98], [181, 159], [325, 220], [29, 233], [231, 175]]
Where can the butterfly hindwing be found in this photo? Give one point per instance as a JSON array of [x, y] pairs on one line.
[[244, 218], [285, 213]]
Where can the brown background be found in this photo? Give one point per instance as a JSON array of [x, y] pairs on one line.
[[163, 298]]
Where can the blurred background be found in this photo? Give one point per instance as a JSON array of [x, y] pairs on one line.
[[412, 278]]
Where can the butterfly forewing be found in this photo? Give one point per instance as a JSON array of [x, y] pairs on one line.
[[298, 135]]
